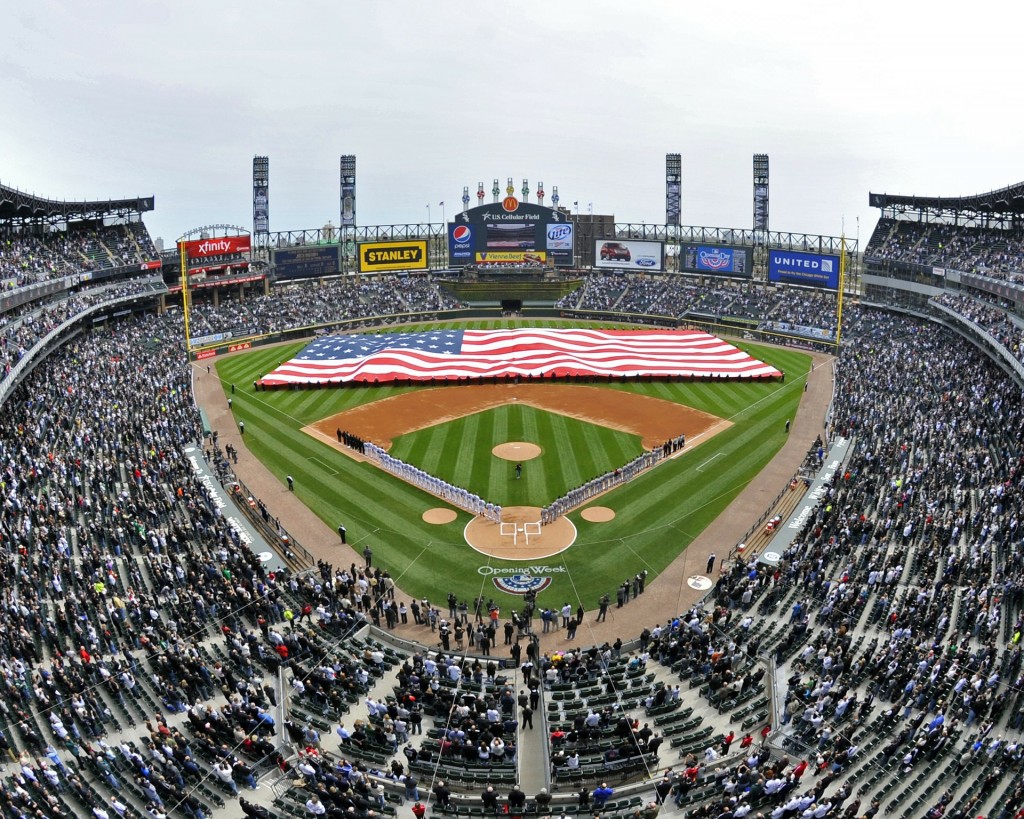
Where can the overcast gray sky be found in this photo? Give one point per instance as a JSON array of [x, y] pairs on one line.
[[106, 98]]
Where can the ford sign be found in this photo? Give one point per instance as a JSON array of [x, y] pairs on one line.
[[646, 261]]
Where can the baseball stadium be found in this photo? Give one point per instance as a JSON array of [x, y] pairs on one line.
[[528, 511]]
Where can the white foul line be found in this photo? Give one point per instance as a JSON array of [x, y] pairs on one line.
[[709, 460]]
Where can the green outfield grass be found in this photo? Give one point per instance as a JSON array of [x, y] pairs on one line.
[[573, 452], [658, 515]]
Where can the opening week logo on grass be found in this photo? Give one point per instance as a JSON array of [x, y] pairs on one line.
[[521, 584], [521, 580]]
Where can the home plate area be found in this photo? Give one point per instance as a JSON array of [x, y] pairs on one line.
[[520, 536]]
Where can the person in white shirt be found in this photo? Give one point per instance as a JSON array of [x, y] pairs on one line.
[[315, 806], [223, 772]]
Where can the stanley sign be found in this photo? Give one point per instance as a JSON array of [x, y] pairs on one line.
[[378, 256]]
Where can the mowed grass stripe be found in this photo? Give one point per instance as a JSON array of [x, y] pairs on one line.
[[475, 449], [537, 484], [426, 450], [563, 459], [588, 455]]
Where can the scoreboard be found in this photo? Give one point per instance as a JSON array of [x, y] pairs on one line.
[[306, 262]]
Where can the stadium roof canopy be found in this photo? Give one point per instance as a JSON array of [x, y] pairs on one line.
[[18, 206], [1007, 201]]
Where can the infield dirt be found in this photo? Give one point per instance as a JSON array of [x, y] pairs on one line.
[[653, 419]]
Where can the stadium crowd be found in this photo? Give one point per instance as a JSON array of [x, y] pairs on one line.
[[325, 302], [792, 310], [895, 618], [29, 258], [993, 318], [902, 598], [987, 251], [25, 327]]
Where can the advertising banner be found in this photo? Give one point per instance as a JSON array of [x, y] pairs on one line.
[[672, 202], [559, 236], [760, 207], [460, 243], [347, 177], [306, 262], [512, 257], [629, 255], [795, 267], [381, 256], [260, 210], [219, 246], [717, 260]]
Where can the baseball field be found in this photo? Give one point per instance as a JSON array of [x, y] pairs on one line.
[[470, 436]]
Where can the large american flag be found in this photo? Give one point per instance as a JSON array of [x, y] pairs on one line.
[[473, 354]]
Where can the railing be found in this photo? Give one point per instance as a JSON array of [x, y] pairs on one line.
[[277, 536], [760, 521]]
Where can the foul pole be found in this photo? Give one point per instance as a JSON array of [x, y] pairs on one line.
[[842, 286], [183, 256]]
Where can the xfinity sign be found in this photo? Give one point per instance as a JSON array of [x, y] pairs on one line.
[[219, 246], [810, 269]]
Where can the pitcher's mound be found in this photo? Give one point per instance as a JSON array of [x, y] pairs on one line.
[[439, 515], [485, 535], [598, 514], [516, 451]]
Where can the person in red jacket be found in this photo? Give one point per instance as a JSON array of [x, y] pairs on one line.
[[419, 810]]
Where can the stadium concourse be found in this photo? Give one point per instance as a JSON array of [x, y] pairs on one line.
[[148, 656]]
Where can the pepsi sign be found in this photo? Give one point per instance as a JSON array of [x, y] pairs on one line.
[[460, 242], [796, 267]]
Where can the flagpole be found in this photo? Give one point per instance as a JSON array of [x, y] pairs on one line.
[[443, 222], [428, 213]]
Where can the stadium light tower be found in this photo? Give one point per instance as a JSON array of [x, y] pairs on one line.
[[261, 202], [761, 193]]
